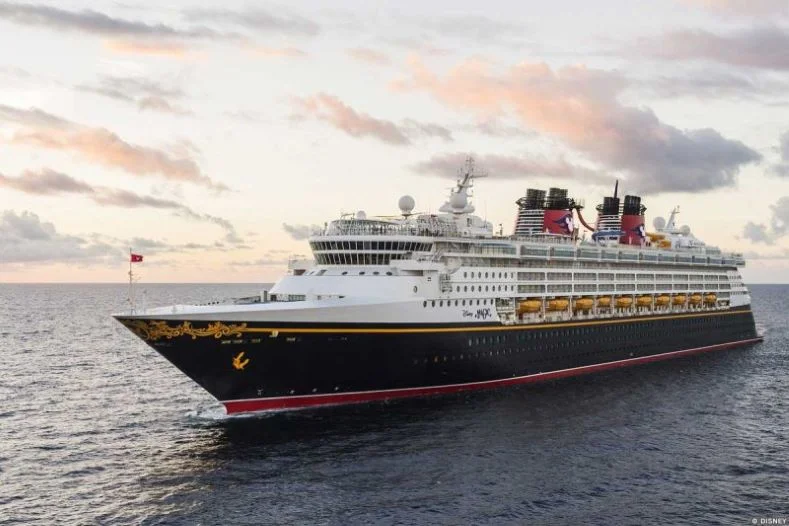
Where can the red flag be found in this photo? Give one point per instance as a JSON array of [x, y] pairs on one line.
[[136, 258]]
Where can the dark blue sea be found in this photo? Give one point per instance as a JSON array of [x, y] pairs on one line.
[[96, 428]]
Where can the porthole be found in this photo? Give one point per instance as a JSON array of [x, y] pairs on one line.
[[361, 273], [424, 303], [465, 288], [375, 273], [441, 303], [433, 303], [345, 272], [415, 289], [388, 273], [464, 303]]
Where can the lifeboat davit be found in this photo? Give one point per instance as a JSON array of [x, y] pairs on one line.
[[583, 304], [662, 301], [644, 301], [695, 299], [624, 302], [557, 304], [679, 299], [529, 306], [710, 299]]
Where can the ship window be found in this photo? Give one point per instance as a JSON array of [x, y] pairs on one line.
[[376, 273], [464, 303], [344, 272], [424, 303], [441, 303], [388, 273], [486, 274], [433, 303], [464, 274], [472, 288]]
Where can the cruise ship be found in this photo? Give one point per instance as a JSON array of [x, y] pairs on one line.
[[419, 304]]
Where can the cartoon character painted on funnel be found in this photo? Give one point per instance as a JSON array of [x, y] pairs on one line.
[[566, 222], [640, 231]]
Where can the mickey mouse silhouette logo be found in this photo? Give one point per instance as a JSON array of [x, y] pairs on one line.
[[566, 222]]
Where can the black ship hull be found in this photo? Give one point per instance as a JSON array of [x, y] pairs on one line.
[[261, 367]]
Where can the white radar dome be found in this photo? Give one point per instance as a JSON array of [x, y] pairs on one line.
[[685, 230], [406, 204], [361, 214], [458, 202], [659, 223]]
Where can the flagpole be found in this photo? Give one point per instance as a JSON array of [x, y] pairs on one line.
[[131, 286]]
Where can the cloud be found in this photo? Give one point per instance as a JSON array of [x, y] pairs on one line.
[[581, 107], [332, 110], [299, 232], [778, 227], [157, 48], [329, 108], [50, 182], [475, 28], [276, 52], [94, 23], [144, 93], [45, 182], [496, 128], [369, 56], [782, 169], [707, 83], [765, 47], [511, 167], [100, 146], [258, 20], [757, 233], [741, 7], [427, 129], [24, 238]]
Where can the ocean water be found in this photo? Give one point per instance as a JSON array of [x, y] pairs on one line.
[[96, 428]]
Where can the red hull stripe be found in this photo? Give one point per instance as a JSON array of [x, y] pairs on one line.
[[303, 401]]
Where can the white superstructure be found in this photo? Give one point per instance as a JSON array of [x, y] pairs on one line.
[[449, 267]]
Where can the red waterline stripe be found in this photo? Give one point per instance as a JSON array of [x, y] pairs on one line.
[[303, 401]]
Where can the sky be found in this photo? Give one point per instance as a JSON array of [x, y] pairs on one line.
[[211, 139]]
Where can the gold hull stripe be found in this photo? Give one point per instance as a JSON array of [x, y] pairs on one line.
[[536, 326]]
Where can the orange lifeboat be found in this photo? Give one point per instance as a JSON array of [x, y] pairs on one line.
[[557, 304], [662, 301], [604, 302], [710, 299], [644, 301], [695, 299], [679, 299], [583, 304], [624, 302], [529, 306]]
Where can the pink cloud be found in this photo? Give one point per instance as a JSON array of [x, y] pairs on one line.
[[330, 109], [580, 106], [370, 56], [98, 145]]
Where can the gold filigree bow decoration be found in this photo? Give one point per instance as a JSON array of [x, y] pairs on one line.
[[152, 330]]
